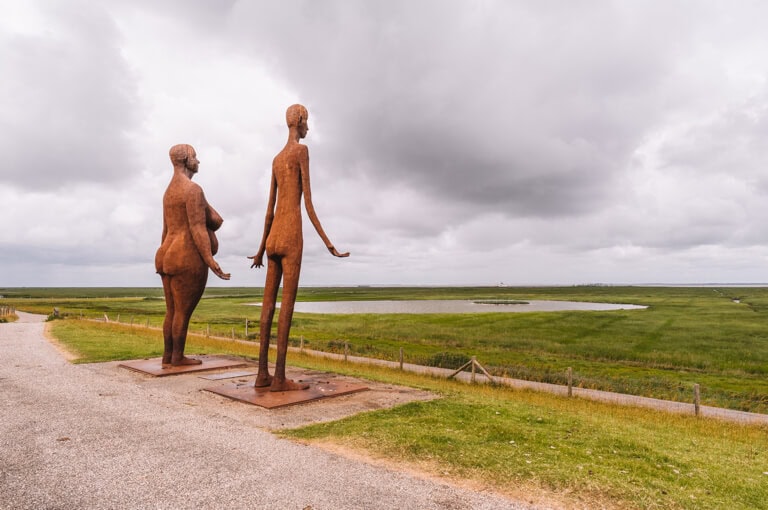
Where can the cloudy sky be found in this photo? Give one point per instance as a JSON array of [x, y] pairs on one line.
[[451, 142]]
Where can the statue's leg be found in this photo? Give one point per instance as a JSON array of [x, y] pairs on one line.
[[271, 286], [168, 322], [291, 270], [187, 289]]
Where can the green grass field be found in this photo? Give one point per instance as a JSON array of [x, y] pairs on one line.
[[685, 336]]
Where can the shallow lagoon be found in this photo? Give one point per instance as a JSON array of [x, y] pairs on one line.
[[454, 306]]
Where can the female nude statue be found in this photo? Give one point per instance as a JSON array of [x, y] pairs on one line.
[[188, 246], [284, 243]]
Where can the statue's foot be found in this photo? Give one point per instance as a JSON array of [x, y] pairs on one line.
[[166, 361], [262, 380], [184, 361], [287, 385]]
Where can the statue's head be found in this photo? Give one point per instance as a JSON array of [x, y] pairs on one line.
[[184, 155], [296, 116]]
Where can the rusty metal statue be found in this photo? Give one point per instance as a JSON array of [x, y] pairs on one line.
[[188, 246], [284, 243]]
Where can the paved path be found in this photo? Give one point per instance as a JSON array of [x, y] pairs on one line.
[[93, 436]]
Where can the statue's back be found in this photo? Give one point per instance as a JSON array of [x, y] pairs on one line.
[[285, 236]]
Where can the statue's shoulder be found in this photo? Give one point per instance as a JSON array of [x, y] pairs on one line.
[[300, 150], [296, 148], [193, 189], [291, 153]]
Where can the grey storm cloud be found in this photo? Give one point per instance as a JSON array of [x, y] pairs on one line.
[[492, 104], [733, 139], [501, 106], [69, 108]]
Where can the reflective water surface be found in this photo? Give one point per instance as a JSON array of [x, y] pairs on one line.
[[453, 306]]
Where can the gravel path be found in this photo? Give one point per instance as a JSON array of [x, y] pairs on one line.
[[94, 436]]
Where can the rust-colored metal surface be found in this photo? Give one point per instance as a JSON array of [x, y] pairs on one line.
[[227, 375], [318, 388], [186, 253], [154, 366]]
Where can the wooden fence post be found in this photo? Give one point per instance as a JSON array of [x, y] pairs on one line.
[[570, 381], [246, 328], [301, 344], [696, 399], [346, 349], [401, 358]]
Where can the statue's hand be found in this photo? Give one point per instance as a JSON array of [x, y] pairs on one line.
[[335, 253], [218, 272], [258, 260]]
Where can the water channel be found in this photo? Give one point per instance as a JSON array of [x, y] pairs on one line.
[[454, 306]]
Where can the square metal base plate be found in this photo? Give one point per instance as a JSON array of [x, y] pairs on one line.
[[227, 375], [154, 366], [318, 388]]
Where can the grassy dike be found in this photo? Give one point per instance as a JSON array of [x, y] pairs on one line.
[[714, 337], [533, 446]]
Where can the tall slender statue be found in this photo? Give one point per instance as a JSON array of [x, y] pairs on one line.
[[284, 244], [188, 246]]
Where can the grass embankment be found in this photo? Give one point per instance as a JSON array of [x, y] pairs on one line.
[[686, 336], [532, 446]]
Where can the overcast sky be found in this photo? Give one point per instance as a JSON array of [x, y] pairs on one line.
[[451, 142]]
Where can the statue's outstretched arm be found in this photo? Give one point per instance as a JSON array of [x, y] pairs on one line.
[[307, 190]]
